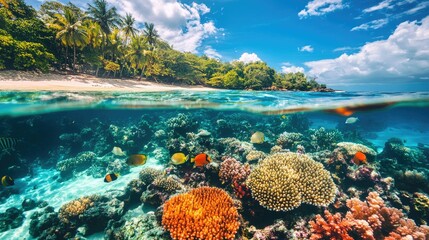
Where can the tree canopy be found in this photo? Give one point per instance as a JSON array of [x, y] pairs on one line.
[[100, 41]]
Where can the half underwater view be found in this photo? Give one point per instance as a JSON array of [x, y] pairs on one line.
[[214, 165]]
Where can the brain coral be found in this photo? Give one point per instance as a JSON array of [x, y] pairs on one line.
[[282, 181], [202, 213]]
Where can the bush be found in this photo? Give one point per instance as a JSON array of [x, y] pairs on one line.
[[32, 56]]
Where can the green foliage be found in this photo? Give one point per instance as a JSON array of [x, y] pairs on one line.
[[31, 56], [101, 40]]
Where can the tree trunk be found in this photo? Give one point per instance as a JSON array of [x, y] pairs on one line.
[[96, 71], [74, 58], [67, 57]]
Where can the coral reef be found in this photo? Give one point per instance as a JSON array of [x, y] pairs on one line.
[[352, 148], [210, 210], [148, 175], [168, 184], [234, 147], [276, 231], [254, 156], [371, 219], [144, 226], [72, 210], [290, 140], [322, 139], [235, 173], [282, 181], [81, 162]]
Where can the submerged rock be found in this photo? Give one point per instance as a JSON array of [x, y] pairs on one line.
[[12, 218], [28, 204]]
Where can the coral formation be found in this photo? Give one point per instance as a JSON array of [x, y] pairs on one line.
[[352, 148], [289, 140], [73, 209], [322, 139], [282, 181], [144, 226], [368, 220], [168, 184], [202, 213], [255, 155], [80, 162], [232, 170], [148, 175]]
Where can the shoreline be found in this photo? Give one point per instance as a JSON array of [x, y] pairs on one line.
[[11, 80]]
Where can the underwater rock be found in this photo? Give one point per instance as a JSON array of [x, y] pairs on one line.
[[144, 226], [11, 218], [79, 163], [118, 166], [46, 225], [28, 204], [282, 181], [394, 148]]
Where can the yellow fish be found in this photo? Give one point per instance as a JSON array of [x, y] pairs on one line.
[[118, 151], [7, 181], [136, 160], [257, 137], [179, 158]]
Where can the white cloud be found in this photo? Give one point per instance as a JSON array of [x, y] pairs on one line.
[[178, 23], [306, 48], [345, 49], [211, 53], [321, 7], [403, 57], [382, 5], [289, 68], [375, 24], [249, 57]]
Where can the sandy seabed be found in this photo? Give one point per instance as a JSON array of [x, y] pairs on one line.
[[33, 81]]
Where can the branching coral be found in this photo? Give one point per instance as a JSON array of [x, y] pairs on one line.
[[289, 140], [82, 160], [148, 175], [71, 211], [282, 181], [168, 184], [232, 170], [202, 213], [322, 139], [255, 156], [368, 220]]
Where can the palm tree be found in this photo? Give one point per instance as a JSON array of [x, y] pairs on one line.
[[136, 54], [128, 27], [105, 16], [94, 33], [151, 34], [71, 33]]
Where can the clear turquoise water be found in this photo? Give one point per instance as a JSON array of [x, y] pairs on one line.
[[39, 119]]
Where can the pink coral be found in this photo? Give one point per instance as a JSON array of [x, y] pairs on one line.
[[233, 172], [369, 219]]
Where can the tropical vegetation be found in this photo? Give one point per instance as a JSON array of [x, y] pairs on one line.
[[101, 42]]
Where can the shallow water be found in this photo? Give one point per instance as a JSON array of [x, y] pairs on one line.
[[53, 127]]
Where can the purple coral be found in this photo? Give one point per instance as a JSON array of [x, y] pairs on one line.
[[232, 171]]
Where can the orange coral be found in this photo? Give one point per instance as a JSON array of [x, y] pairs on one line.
[[202, 213], [334, 227], [74, 208]]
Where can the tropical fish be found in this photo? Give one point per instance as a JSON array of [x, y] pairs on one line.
[[257, 137], [7, 181], [201, 159], [118, 151], [136, 160], [7, 143], [359, 158], [179, 158], [351, 120], [111, 177], [283, 116]]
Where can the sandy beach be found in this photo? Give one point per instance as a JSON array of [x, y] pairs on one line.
[[33, 81]]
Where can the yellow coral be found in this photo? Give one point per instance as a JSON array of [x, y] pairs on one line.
[[282, 181], [74, 208], [202, 213], [255, 155]]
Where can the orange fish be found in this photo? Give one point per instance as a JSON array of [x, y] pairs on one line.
[[201, 159], [359, 158]]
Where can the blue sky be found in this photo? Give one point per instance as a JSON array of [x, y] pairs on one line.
[[351, 45]]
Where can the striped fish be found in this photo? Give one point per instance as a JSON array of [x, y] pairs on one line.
[[7, 143]]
